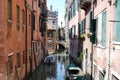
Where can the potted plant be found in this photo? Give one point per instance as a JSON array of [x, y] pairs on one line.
[[80, 57], [82, 36], [89, 34]]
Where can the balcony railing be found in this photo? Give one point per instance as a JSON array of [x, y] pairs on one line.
[[84, 4]]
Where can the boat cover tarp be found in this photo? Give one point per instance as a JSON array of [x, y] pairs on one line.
[[71, 65]]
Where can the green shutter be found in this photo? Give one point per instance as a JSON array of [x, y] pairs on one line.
[[81, 28], [84, 24], [117, 24], [95, 31], [104, 22], [90, 21]]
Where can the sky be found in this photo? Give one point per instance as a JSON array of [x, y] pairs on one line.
[[58, 5]]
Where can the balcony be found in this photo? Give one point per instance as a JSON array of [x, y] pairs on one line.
[[85, 4], [43, 10], [43, 14]]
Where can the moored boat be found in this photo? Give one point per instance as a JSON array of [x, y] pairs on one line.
[[73, 72], [49, 59]]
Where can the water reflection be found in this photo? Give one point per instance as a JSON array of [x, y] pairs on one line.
[[52, 72]]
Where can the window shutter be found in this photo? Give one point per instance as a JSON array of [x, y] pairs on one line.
[[117, 24], [90, 21], [71, 32], [104, 28], [33, 21], [84, 25], [69, 15], [9, 9], [95, 31]]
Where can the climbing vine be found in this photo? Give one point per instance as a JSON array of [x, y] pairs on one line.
[[80, 57]]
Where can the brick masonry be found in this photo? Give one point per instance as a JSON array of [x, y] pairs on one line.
[[15, 41]]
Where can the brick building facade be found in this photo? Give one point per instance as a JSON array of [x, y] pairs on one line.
[[20, 37]]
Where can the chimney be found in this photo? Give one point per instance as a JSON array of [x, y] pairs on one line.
[[51, 8]]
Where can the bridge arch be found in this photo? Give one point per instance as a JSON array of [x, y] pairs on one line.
[[61, 46]]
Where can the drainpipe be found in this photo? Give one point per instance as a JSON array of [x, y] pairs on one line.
[[26, 38], [92, 40], [31, 40], [32, 36], [78, 30]]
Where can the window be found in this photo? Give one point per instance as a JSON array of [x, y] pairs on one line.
[[33, 47], [33, 21], [9, 21], [18, 17], [69, 15], [9, 10], [24, 57], [71, 12], [38, 3], [41, 7], [10, 64], [104, 22], [101, 76], [90, 21], [17, 13], [18, 60], [70, 33], [75, 31], [29, 20], [94, 39], [73, 7], [39, 23], [39, 44], [83, 26], [36, 47], [50, 34], [23, 17], [117, 24]]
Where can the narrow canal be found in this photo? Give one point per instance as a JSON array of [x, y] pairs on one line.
[[52, 72]]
